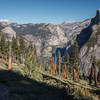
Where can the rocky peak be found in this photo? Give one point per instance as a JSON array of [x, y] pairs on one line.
[[96, 19]]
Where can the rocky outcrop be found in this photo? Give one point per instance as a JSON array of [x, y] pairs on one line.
[[72, 29], [9, 33], [47, 36]]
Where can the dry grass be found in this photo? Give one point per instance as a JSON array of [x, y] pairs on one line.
[[83, 93], [80, 90]]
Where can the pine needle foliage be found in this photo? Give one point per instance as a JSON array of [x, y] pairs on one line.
[[30, 62], [3, 46], [74, 56]]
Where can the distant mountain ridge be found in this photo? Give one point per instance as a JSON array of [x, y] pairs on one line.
[[48, 35]]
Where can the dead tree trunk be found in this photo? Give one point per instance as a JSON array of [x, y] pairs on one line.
[[10, 62], [14, 59], [75, 75], [65, 72], [90, 76], [53, 66], [50, 68], [95, 75], [22, 59]]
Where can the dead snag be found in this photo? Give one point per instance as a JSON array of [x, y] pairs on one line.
[[75, 75], [50, 68], [9, 63], [90, 76], [95, 75], [53, 66], [65, 72]]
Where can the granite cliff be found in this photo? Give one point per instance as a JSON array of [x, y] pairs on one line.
[[91, 47]]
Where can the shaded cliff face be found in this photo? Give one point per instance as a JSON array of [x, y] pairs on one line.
[[89, 50], [91, 47]]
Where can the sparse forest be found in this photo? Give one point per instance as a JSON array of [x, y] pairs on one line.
[[24, 55]]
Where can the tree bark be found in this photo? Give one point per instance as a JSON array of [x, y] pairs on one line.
[[9, 63], [53, 66], [95, 75], [90, 76], [50, 68], [65, 72], [75, 75], [10, 59], [14, 59]]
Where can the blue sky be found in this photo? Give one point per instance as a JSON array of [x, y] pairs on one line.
[[49, 11]]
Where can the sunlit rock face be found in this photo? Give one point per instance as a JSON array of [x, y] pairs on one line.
[[43, 35], [46, 35], [9, 33], [49, 36]]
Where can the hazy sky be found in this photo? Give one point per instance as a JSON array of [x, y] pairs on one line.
[[49, 11]]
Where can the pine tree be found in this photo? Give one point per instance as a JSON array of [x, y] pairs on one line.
[[35, 56], [98, 64], [22, 48], [74, 60], [3, 45], [41, 56], [65, 71], [94, 70], [8, 45], [66, 65], [49, 65], [30, 62], [59, 61], [53, 66], [35, 53], [94, 60], [67, 59], [15, 48], [9, 56]]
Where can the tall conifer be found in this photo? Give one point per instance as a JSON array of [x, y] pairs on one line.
[[74, 60]]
